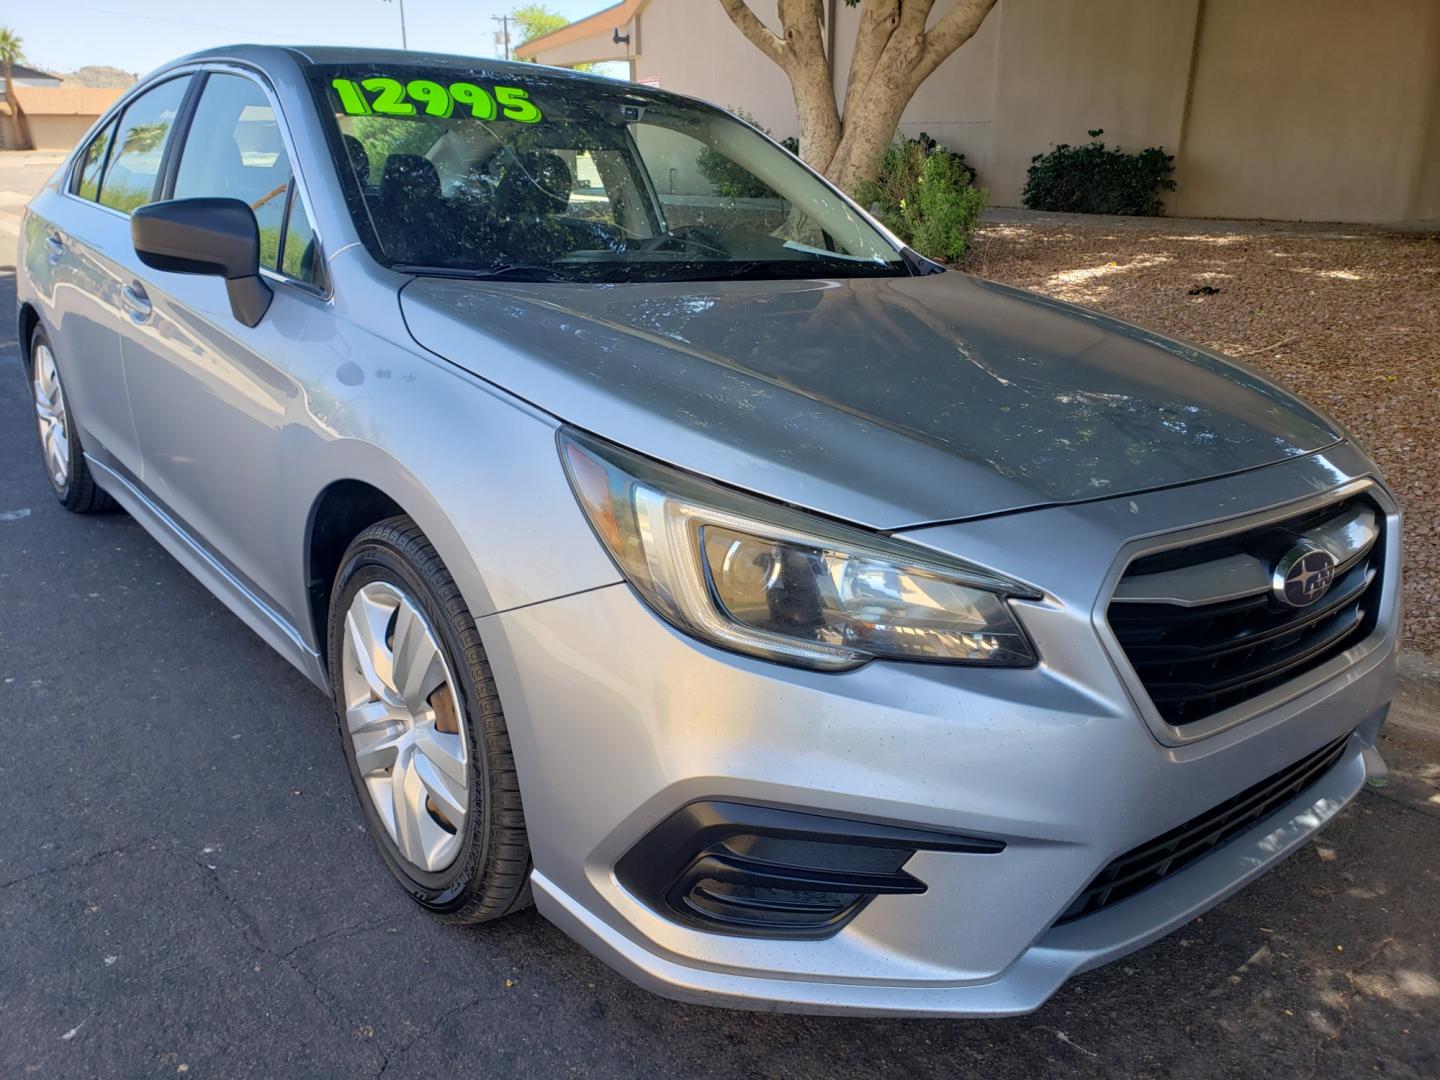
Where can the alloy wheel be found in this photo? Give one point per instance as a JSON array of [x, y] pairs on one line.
[[402, 711], [50, 415]]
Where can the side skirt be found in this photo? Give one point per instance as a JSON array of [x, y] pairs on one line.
[[273, 628]]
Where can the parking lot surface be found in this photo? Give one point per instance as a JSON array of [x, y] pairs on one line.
[[186, 888]]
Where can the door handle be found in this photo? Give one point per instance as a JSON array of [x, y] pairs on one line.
[[54, 247], [136, 300]]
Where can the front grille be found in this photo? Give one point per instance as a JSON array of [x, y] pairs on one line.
[[1196, 659], [1151, 862]]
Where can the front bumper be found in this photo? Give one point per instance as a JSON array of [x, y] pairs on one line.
[[1036, 974], [617, 721]]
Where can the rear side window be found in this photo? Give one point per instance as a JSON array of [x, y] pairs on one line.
[[145, 128], [234, 150], [87, 177]]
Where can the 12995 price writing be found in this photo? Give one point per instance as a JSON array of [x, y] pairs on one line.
[[391, 97]]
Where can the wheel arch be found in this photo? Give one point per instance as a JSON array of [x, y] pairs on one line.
[[484, 484], [27, 319], [339, 513]]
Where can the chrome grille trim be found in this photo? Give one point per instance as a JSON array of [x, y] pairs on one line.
[[1265, 708], [1234, 577]]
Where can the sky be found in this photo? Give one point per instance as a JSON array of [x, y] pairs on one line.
[[138, 35]]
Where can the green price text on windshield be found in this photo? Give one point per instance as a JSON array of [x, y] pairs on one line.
[[383, 96]]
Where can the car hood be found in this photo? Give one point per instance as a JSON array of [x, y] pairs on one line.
[[886, 401]]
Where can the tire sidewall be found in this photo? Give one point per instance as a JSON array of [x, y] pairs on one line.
[[374, 560]]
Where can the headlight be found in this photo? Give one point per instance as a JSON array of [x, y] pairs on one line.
[[760, 578]]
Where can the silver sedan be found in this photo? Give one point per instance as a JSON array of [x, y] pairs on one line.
[[798, 624]]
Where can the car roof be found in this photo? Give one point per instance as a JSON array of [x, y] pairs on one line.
[[348, 54]]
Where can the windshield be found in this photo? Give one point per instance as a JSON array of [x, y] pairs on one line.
[[478, 172]]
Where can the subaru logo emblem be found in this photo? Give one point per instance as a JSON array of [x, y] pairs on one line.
[[1303, 575]]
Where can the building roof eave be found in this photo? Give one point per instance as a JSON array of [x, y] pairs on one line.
[[607, 19]]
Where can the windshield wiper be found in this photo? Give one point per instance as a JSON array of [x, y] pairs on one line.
[[786, 269], [493, 272]]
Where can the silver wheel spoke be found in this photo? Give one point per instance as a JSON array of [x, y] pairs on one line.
[[44, 403], [441, 768], [58, 452], [379, 747], [418, 668], [371, 716], [50, 416], [416, 776], [379, 754], [409, 795], [368, 641]]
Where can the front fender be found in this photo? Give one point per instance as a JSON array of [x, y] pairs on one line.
[[476, 469]]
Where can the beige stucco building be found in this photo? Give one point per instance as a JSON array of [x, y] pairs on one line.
[[1318, 110], [57, 115]]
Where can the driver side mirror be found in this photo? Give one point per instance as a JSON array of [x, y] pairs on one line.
[[216, 237]]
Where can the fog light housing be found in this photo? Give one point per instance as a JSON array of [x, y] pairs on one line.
[[764, 872]]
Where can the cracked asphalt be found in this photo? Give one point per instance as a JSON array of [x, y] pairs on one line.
[[186, 888]]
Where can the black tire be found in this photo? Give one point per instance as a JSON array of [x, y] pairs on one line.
[[490, 876], [79, 494]]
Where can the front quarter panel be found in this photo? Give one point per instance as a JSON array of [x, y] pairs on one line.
[[478, 470]]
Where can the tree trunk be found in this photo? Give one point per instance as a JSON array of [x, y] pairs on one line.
[[819, 119], [894, 53], [803, 22]]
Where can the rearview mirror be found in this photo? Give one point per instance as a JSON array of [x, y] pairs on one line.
[[217, 237]]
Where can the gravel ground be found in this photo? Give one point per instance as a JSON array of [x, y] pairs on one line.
[[1350, 320]]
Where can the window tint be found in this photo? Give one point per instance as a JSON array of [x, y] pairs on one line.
[[234, 150], [588, 197], [698, 185], [452, 167], [299, 261], [144, 131], [87, 177]]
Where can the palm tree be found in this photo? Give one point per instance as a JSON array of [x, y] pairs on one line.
[[12, 51]]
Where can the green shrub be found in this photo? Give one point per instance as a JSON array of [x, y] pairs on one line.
[[924, 194], [1099, 179], [945, 211], [932, 147]]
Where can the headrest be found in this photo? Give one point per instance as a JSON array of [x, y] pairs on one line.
[[532, 183], [409, 177]]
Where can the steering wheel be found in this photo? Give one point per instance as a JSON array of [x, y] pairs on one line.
[[692, 236]]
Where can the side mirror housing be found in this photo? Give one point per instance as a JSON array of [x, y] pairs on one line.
[[216, 237]]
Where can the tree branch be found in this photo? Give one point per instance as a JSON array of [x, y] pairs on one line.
[[802, 22], [947, 35], [878, 19], [760, 35]]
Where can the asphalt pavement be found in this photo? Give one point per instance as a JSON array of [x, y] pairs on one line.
[[186, 888]]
